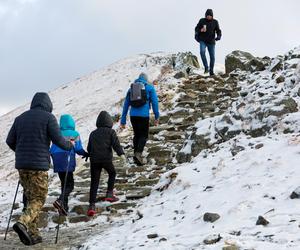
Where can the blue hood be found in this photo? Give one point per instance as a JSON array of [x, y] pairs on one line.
[[67, 126], [67, 122], [142, 80]]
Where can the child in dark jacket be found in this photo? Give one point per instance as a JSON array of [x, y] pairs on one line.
[[100, 145], [66, 159]]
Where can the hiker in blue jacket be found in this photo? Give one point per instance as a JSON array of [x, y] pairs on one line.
[[63, 159], [139, 116]]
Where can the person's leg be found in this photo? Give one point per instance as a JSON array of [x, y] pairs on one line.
[[143, 133], [203, 56], [110, 169], [69, 189], [135, 125], [24, 202], [95, 177], [35, 184], [211, 51], [61, 176]]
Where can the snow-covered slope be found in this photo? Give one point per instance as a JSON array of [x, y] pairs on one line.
[[250, 175], [249, 169], [258, 181]]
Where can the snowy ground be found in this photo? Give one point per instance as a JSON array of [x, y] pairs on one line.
[[254, 182]]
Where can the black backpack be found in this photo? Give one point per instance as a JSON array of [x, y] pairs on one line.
[[138, 94]]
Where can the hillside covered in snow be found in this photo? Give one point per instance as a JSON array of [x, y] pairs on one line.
[[222, 169]]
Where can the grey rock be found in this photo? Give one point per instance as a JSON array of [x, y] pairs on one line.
[[138, 194], [77, 219], [276, 66], [212, 239], [236, 149], [179, 75], [80, 209], [262, 221], [233, 247], [152, 236], [183, 157], [211, 217], [243, 61], [280, 79], [295, 194], [258, 146]]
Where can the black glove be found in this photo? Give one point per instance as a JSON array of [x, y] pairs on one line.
[[218, 38], [85, 156]]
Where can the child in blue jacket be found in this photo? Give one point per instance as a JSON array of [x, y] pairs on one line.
[[64, 162]]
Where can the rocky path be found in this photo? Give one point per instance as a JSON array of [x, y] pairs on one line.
[[183, 101]]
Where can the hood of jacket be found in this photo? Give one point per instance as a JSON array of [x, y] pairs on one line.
[[67, 122], [41, 101], [143, 78], [104, 120], [209, 12]]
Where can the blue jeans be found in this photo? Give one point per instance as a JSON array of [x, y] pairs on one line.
[[211, 51]]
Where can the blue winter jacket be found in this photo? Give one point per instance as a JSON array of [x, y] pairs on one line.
[[60, 156], [142, 111]]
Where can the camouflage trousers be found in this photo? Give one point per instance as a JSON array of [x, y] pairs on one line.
[[35, 185]]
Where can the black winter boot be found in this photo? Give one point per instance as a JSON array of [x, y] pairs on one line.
[[24, 236]]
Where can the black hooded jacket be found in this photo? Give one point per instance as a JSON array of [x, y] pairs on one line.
[[212, 29], [31, 133], [103, 140]]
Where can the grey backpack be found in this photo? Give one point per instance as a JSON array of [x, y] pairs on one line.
[[138, 95]]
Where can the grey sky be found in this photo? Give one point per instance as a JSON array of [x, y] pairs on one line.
[[45, 43]]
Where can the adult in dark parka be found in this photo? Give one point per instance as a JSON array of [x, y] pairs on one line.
[[30, 137], [207, 32]]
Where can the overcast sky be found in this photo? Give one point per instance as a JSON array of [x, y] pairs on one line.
[[45, 43]]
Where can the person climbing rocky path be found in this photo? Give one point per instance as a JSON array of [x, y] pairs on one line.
[[218, 104], [194, 97]]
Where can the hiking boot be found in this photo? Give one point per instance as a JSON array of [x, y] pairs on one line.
[[110, 197], [138, 158], [92, 210], [24, 236], [205, 71], [60, 207], [36, 239], [211, 73]]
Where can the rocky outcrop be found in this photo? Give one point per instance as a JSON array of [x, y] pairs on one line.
[[243, 61]]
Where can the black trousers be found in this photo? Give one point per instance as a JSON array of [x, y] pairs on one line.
[[69, 186], [140, 127], [96, 169]]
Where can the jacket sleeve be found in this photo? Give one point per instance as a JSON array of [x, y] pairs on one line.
[[218, 31], [199, 26], [154, 102], [125, 109], [11, 139], [55, 134], [116, 144], [78, 148]]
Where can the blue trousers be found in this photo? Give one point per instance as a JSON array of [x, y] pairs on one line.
[[211, 51]]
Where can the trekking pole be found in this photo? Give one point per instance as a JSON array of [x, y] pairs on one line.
[[11, 211], [63, 194]]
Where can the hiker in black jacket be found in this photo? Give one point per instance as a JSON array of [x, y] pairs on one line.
[[100, 145], [205, 33], [30, 137]]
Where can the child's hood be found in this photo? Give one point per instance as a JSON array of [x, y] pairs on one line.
[[104, 120], [67, 122]]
